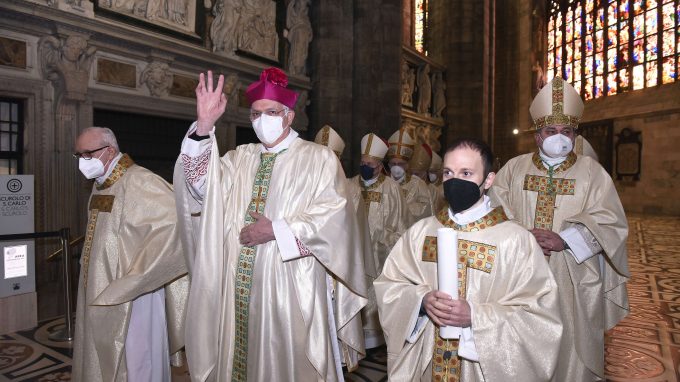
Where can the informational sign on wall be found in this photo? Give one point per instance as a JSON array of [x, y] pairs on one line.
[[17, 216], [16, 261]]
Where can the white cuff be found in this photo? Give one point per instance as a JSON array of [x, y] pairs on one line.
[[285, 240], [194, 148], [577, 244], [418, 327], [466, 346]]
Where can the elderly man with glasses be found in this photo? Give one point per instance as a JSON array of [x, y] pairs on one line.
[[274, 227], [131, 251]]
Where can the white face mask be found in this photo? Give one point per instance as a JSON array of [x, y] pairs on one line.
[[268, 129], [557, 146], [397, 172], [91, 168], [432, 176]]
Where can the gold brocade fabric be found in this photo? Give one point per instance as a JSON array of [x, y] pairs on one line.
[[131, 248], [506, 282], [244, 271], [578, 192], [385, 210], [119, 170], [288, 336], [445, 361]]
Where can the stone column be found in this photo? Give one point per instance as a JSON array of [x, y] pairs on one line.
[[377, 69], [331, 60], [66, 60], [463, 31]]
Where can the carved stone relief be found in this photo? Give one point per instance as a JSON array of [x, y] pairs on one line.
[[256, 29], [301, 120], [439, 94], [67, 62], [423, 132], [157, 78], [223, 28], [175, 14], [408, 81], [424, 90], [299, 34]]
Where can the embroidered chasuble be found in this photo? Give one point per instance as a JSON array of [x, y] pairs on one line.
[[417, 197], [251, 315], [131, 248], [385, 208], [508, 285], [577, 192]]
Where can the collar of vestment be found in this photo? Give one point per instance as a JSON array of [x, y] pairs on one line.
[[374, 185], [472, 214], [564, 166], [123, 164], [284, 144], [496, 216]]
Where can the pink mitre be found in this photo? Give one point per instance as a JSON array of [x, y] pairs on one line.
[[272, 86]]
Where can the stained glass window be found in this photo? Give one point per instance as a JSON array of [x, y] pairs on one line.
[[420, 21], [606, 47]]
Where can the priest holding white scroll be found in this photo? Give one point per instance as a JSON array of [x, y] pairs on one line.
[[506, 302]]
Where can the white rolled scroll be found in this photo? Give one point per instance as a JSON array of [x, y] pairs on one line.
[[447, 272]]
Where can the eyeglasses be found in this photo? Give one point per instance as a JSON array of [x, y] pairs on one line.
[[255, 114], [87, 155]]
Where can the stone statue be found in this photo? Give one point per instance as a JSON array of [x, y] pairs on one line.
[[424, 90], [408, 81], [301, 120], [157, 78], [439, 94], [223, 29], [256, 30], [299, 35], [540, 78], [67, 63]]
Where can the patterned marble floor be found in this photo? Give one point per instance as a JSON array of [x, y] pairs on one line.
[[644, 347]]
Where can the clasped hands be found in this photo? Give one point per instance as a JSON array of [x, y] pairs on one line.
[[256, 233], [548, 240], [445, 311]]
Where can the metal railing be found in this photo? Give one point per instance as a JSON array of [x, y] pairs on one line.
[[65, 334]]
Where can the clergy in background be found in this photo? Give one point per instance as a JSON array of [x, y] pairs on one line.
[[434, 175], [351, 337], [131, 250], [275, 223], [506, 301], [570, 204], [414, 189], [420, 162], [583, 147], [382, 199]]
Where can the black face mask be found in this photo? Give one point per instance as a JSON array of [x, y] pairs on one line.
[[366, 171], [461, 194]]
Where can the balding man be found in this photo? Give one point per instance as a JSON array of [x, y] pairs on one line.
[[131, 251]]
